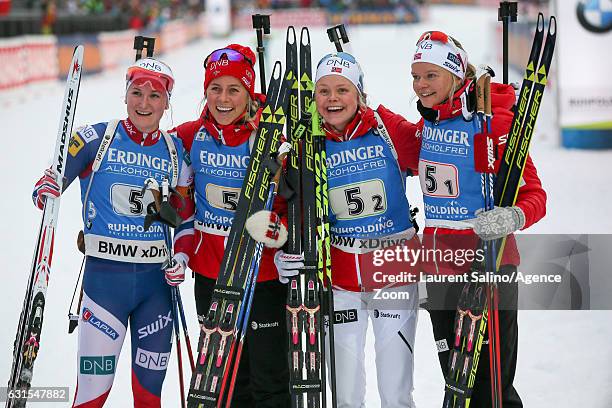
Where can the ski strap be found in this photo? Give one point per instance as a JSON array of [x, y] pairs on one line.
[[384, 133]]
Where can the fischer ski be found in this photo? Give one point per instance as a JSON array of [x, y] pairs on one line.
[[306, 355], [219, 328], [477, 308], [27, 340]]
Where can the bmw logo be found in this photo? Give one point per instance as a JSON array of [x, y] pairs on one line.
[[595, 15]]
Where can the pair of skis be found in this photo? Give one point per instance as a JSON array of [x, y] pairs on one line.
[[233, 293], [308, 226], [478, 306], [29, 330]]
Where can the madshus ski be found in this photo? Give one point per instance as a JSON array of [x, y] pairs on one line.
[[219, 329], [27, 340], [478, 302], [305, 327]]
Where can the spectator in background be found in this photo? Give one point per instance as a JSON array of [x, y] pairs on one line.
[[49, 16]]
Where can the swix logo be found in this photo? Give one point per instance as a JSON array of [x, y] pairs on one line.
[[89, 317], [490, 153], [157, 325]]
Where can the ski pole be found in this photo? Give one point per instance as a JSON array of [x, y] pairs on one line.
[[261, 24], [178, 344], [179, 303], [249, 303], [507, 13]]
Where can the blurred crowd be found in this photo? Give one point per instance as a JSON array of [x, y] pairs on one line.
[[150, 14]]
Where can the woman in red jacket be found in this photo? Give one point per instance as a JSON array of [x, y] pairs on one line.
[[219, 144], [451, 160], [368, 154]]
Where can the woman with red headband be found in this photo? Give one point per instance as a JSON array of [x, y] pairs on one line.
[[220, 142], [123, 279], [451, 166]]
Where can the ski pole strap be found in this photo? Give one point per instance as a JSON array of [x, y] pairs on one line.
[[384, 133], [109, 134], [173, 157]]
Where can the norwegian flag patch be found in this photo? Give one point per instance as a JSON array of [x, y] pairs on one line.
[[336, 69]]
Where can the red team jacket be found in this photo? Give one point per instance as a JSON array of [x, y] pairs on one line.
[[205, 250], [531, 196]]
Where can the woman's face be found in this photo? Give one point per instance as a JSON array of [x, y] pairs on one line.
[[227, 99], [337, 101], [431, 83], [145, 106]]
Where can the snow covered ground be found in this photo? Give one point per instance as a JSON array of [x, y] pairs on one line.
[[565, 358]]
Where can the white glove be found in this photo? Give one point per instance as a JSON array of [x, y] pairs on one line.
[[265, 226], [175, 272], [498, 222], [288, 265]]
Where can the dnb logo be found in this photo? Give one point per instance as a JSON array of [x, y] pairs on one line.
[[595, 15], [97, 365]]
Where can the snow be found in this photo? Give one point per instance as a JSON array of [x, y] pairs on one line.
[[564, 357]]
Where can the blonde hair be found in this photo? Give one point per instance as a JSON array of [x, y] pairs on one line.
[[470, 74]]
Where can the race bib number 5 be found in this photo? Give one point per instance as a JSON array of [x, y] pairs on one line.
[[439, 179], [358, 200], [130, 200], [225, 198]]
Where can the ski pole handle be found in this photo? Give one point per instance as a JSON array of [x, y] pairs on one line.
[[261, 24], [141, 43], [337, 34], [507, 13]]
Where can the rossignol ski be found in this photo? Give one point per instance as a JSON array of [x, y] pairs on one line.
[[27, 340], [478, 303], [218, 336]]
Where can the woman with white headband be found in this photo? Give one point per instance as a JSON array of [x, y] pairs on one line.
[[123, 279], [452, 160], [369, 152]]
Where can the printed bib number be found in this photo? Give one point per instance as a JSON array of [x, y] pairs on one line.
[[358, 200], [438, 179], [224, 198], [130, 201]]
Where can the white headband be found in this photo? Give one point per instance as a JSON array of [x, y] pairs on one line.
[[445, 55]]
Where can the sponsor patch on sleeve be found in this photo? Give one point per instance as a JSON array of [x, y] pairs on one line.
[[88, 133], [75, 145]]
